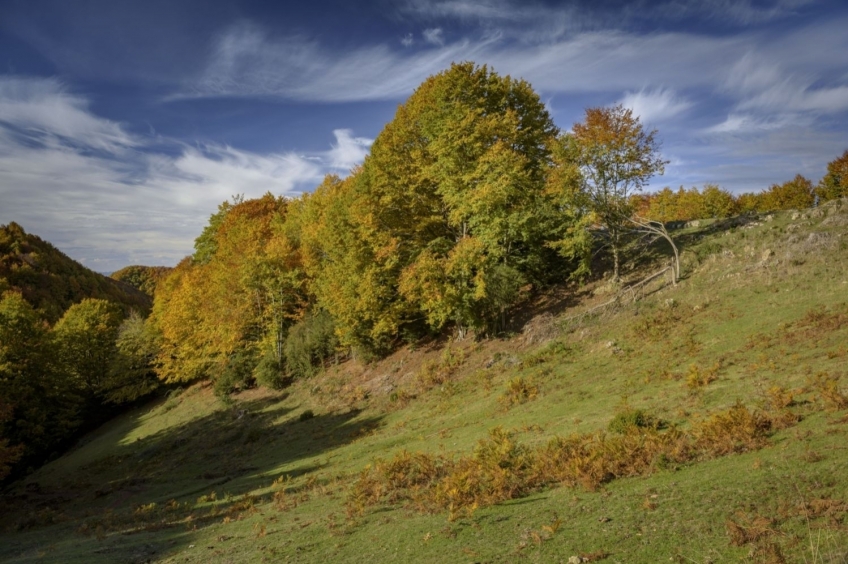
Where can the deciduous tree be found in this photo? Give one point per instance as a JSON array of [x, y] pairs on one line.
[[617, 157], [835, 182]]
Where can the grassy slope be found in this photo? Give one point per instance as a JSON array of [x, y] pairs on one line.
[[743, 311]]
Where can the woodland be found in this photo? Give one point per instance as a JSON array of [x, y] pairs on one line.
[[470, 202]]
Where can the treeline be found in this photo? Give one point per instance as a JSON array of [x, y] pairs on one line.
[[73, 344], [669, 205], [466, 199], [142, 278], [470, 198], [51, 281]]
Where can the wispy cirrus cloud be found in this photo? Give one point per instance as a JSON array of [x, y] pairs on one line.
[[247, 62], [537, 19], [63, 167], [655, 106], [43, 106]]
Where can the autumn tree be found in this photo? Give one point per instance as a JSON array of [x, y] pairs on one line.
[[215, 311], [86, 336], [572, 213], [793, 194], [835, 182], [462, 165], [617, 157], [143, 278]]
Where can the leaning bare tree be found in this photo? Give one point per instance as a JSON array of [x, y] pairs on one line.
[[617, 158], [657, 228]]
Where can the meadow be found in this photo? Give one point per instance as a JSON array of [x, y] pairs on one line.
[[699, 422]]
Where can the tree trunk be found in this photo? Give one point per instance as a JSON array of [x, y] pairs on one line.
[[615, 257]]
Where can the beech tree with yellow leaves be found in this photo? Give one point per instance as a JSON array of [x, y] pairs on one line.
[[617, 158]]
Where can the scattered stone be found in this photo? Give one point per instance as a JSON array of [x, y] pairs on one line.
[[693, 223], [767, 254]]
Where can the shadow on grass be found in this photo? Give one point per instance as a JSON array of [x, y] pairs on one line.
[[165, 481]]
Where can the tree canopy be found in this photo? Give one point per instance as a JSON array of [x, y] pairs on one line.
[[616, 158]]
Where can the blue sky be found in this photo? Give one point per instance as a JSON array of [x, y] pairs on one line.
[[124, 124]]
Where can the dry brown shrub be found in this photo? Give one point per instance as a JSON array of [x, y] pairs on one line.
[[658, 325], [768, 553], [778, 398], [594, 556], [698, 378], [500, 468], [518, 390], [828, 388], [735, 430], [833, 509], [745, 529]]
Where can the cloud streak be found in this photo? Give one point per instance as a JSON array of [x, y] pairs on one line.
[[248, 63], [86, 185], [655, 106]]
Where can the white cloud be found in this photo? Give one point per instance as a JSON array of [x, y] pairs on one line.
[[530, 19], [407, 40], [247, 63], [740, 12], [655, 106], [434, 36], [43, 106], [348, 151], [120, 205]]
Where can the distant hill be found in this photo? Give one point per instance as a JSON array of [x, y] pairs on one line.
[[143, 278], [51, 281]]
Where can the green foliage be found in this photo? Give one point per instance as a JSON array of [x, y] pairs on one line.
[[236, 374], [795, 194], [9, 454], [834, 184], [309, 344], [629, 419], [42, 399], [206, 244], [243, 296], [454, 186], [306, 415], [271, 372], [131, 373], [86, 339], [144, 278], [51, 282]]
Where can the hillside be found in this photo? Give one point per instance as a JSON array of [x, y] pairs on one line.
[[728, 394], [51, 281], [144, 278]]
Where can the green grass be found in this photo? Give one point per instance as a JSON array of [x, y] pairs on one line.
[[759, 307]]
